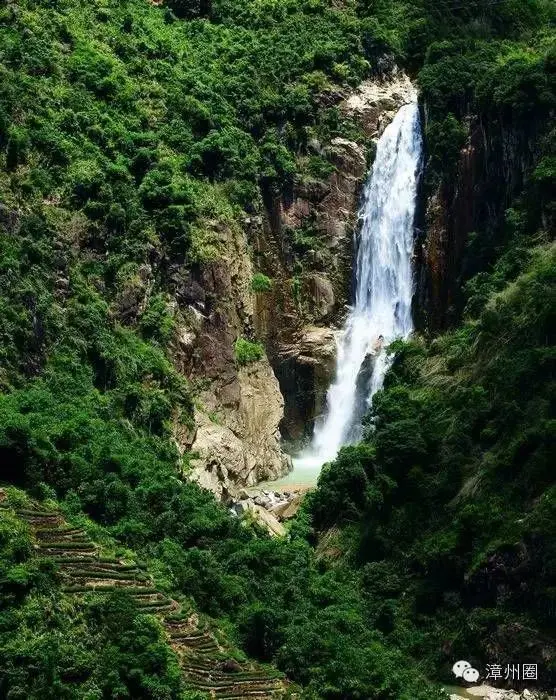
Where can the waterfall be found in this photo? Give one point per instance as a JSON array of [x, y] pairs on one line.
[[384, 287]]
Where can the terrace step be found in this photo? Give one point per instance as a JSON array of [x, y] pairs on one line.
[[83, 570], [41, 521], [81, 588], [47, 537], [237, 675], [244, 689], [232, 679], [188, 636], [158, 609], [59, 547], [247, 693], [74, 568], [66, 558], [100, 574]]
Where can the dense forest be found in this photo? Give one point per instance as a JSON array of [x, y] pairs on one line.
[[126, 129]]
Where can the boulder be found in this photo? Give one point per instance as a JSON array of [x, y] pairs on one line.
[[268, 521], [316, 345], [278, 509], [241, 507], [347, 156], [219, 460], [292, 507]]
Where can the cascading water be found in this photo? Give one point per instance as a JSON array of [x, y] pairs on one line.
[[384, 288]]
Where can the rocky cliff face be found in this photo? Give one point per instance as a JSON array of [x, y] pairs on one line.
[[239, 444], [311, 288], [489, 173], [236, 439], [305, 368]]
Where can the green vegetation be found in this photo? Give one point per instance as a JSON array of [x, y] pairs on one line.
[[56, 646], [130, 133], [246, 351], [446, 509], [147, 644], [261, 283], [450, 499]]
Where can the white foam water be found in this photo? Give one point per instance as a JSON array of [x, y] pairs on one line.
[[384, 290]]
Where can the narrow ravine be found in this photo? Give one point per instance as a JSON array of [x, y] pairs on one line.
[[381, 311]]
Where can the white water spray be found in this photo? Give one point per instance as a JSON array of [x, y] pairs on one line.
[[384, 288]]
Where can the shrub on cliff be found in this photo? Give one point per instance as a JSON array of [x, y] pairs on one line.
[[246, 351], [261, 283]]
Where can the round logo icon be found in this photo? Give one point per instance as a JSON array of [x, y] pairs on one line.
[[471, 675], [459, 667]]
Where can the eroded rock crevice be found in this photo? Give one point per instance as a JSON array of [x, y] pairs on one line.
[[463, 216]]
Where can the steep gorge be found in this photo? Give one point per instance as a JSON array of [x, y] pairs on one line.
[[304, 244]]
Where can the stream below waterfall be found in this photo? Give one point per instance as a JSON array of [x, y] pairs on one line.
[[381, 312]]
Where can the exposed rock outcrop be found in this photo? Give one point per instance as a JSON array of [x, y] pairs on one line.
[[238, 443], [269, 508], [487, 692], [374, 104], [490, 171], [331, 208], [236, 438], [305, 370]]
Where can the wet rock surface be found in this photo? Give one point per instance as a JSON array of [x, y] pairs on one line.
[[490, 169], [305, 371]]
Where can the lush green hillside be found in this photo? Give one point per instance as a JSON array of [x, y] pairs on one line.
[[126, 130], [123, 130], [448, 505], [60, 644], [451, 498], [89, 620]]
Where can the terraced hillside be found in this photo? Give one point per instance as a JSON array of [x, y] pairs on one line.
[[207, 662]]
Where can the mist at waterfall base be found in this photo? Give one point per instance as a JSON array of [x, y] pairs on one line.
[[384, 290]]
